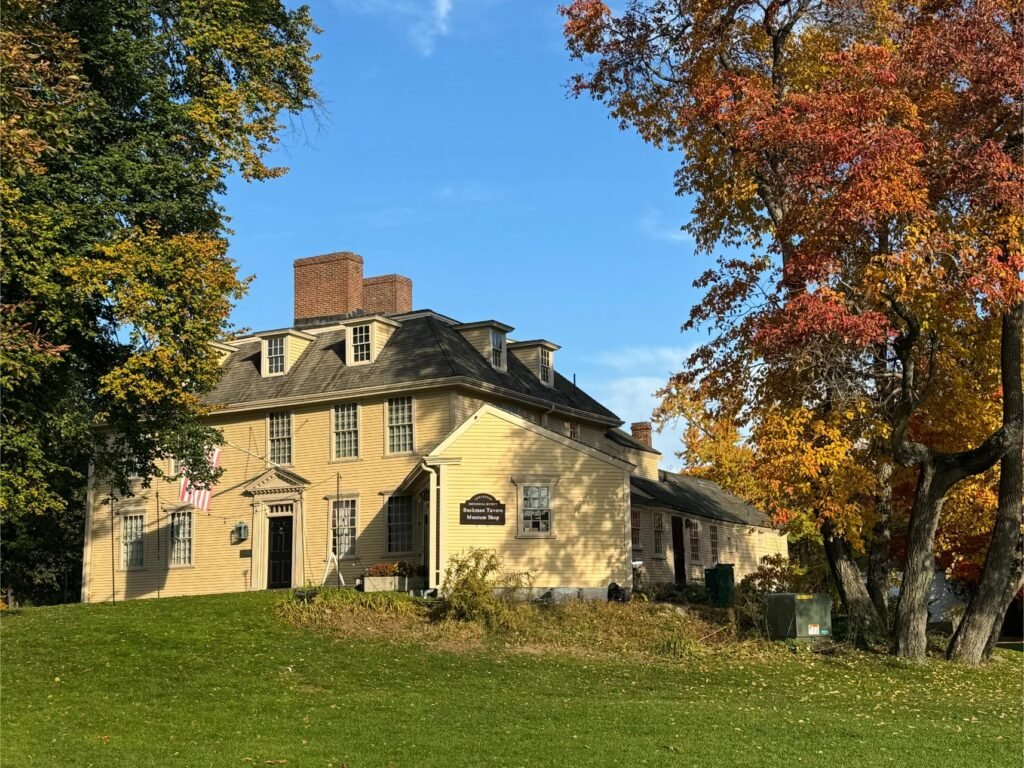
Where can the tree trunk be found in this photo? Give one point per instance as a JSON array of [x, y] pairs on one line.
[[863, 618], [1013, 588], [987, 607], [910, 631], [881, 536]]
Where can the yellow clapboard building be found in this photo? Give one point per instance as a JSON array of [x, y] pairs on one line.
[[370, 432]]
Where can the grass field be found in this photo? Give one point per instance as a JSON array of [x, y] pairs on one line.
[[221, 681]]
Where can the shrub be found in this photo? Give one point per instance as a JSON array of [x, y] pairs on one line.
[[476, 589], [776, 573]]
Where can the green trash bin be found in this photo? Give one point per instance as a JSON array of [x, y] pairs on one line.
[[720, 583], [792, 615]]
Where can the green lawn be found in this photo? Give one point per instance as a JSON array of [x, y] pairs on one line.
[[219, 681]]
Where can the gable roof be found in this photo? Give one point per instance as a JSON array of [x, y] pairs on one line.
[[626, 440], [519, 421], [695, 496], [424, 349]]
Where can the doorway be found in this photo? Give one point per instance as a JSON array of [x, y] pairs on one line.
[[678, 550], [279, 553]]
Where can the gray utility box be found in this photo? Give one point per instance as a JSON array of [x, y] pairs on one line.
[[799, 616]]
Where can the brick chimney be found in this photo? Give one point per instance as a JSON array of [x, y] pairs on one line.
[[387, 294], [332, 285], [641, 431], [328, 285]]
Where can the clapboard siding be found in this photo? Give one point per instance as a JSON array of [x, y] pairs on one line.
[[742, 546], [217, 564], [589, 547]]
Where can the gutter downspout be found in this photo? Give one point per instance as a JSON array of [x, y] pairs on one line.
[[544, 416], [433, 523]]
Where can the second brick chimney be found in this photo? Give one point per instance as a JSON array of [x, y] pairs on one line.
[[641, 431], [387, 294], [332, 286]]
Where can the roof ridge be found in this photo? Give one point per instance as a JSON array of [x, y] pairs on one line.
[[440, 345]]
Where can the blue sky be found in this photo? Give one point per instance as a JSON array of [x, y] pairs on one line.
[[448, 151]]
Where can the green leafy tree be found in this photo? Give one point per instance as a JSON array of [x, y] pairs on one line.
[[122, 120]]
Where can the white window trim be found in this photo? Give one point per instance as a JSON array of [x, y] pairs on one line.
[[285, 502], [695, 558], [350, 346], [387, 426], [550, 381], [503, 348], [659, 555], [521, 482], [634, 525], [714, 544], [332, 457], [412, 524], [291, 439], [354, 496], [124, 564], [265, 357], [192, 539]]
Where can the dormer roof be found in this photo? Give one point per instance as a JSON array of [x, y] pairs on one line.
[[425, 350], [534, 343], [484, 324]]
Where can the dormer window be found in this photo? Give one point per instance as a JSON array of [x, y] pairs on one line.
[[361, 347], [275, 355], [545, 366], [281, 349], [488, 337], [366, 337], [498, 349], [538, 356]]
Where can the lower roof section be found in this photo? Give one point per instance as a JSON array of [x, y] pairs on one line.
[[695, 496]]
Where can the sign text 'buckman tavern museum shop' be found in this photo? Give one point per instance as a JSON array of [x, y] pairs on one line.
[[370, 432]]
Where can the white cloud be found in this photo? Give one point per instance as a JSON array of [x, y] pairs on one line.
[[424, 20], [653, 225], [645, 370], [632, 399], [465, 192], [661, 360]]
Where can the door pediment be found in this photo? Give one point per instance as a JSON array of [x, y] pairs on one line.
[[275, 481]]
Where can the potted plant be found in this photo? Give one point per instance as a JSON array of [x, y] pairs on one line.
[[391, 577]]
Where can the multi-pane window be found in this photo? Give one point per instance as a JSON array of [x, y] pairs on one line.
[[513, 409], [635, 530], [536, 509], [275, 355], [280, 427], [400, 524], [346, 431], [573, 428], [132, 529], [659, 533], [497, 349], [694, 540], [400, 437], [181, 537], [714, 543], [343, 527], [545, 365], [361, 344]]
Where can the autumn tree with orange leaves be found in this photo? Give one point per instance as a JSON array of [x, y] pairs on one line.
[[860, 162]]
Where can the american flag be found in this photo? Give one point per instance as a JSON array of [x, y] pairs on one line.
[[199, 498]]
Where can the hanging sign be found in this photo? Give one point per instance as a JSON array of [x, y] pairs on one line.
[[482, 509]]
